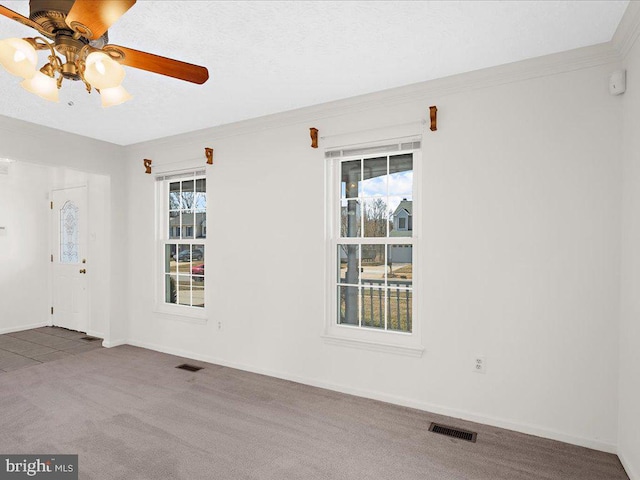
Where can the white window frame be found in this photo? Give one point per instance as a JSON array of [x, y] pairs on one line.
[[403, 343], [176, 311]]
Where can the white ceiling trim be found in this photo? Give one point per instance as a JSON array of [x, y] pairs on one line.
[[628, 30], [563, 62], [30, 130]]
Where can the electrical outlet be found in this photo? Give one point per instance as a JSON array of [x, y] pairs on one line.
[[480, 364], [219, 325]]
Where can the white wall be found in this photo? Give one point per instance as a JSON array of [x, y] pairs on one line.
[[24, 247], [522, 252], [629, 437], [521, 249], [47, 159]]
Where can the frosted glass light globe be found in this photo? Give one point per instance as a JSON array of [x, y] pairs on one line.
[[114, 96], [18, 57], [102, 71], [43, 86]]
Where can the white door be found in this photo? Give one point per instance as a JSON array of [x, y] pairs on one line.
[[69, 256]]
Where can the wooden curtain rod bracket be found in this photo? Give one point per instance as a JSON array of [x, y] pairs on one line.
[[147, 165], [314, 137], [209, 154], [433, 113]]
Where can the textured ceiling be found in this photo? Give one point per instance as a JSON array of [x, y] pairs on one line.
[[269, 57]]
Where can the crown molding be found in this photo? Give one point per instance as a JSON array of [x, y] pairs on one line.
[[41, 145], [628, 30], [22, 127], [28, 129], [563, 62]]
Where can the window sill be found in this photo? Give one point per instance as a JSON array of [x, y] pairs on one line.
[[408, 350], [181, 314]]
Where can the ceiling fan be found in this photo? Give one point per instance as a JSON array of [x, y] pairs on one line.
[[79, 49]]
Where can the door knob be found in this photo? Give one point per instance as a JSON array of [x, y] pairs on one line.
[[84, 270]]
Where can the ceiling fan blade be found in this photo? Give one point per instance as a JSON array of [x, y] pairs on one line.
[[96, 15], [18, 18], [157, 64]]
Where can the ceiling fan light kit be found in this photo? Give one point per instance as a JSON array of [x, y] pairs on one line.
[[78, 50]]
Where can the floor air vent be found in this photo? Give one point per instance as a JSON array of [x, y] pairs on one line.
[[453, 432], [89, 338], [190, 368]]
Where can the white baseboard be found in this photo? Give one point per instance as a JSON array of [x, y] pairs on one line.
[[94, 333], [523, 428], [115, 343], [631, 473], [428, 407], [24, 327]]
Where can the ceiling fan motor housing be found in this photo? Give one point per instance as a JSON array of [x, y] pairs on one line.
[[51, 16]]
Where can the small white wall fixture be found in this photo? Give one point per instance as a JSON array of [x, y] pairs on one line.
[[618, 82]]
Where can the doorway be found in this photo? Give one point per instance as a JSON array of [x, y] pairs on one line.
[[70, 306]]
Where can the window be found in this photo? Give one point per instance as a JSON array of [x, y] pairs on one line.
[[372, 241], [184, 201], [69, 244]]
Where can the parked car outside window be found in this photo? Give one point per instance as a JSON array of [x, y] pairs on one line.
[[185, 255], [198, 269]]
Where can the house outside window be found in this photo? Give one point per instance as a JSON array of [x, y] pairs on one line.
[[372, 246], [403, 216], [182, 231]]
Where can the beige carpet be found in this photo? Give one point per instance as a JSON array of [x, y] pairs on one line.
[[130, 414]]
